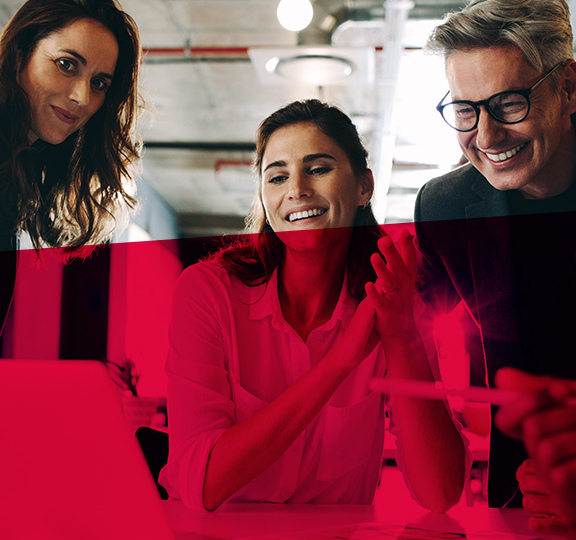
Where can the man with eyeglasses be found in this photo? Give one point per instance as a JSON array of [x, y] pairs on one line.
[[499, 233]]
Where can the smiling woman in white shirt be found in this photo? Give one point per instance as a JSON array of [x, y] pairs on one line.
[[274, 340]]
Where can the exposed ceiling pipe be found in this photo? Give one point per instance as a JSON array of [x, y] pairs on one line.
[[175, 55], [431, 9], [329, 15], [396, 16]]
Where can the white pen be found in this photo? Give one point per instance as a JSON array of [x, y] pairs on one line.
[[435, 390]]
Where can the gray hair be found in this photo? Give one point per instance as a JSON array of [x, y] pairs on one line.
[[539, 28]]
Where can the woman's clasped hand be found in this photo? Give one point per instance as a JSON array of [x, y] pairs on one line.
[[387, 309], [393, 293]]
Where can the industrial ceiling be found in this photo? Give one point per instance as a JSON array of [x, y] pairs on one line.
[[206, 96]]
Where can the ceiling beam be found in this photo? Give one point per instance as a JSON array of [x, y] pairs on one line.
[[203, 145], [209, 224]]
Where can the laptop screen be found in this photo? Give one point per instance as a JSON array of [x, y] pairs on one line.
[[70, 466]]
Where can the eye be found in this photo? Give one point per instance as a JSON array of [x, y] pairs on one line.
[[463, 110], [510, 103], [277, 179], [100, 85], [66, 65], [319, 170]]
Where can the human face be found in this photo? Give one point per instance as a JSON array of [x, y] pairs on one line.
[[308, 182], [535, 156], [66, 79]]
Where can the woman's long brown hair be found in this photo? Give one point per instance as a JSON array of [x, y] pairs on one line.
[[65, 195]]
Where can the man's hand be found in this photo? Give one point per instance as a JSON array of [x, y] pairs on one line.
[[544, 418], [537, 500]]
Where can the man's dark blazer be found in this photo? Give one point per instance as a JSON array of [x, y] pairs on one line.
[[464, 238]]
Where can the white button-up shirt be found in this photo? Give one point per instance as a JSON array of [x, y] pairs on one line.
[[232, 353]]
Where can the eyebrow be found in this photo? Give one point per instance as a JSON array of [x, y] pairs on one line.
[[83, 61], [306, 159], [510, 90]]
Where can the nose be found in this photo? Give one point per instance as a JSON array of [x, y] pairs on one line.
[[489, 132], [299, 186], [80, 91]]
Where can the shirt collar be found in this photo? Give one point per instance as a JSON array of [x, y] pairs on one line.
[[264, 302]]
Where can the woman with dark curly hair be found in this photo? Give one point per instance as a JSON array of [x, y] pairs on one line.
[[68, 106], [274, 340]]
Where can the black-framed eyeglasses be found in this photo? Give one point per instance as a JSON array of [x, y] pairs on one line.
[[508, 107]]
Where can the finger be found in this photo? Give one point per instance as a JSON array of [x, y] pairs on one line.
[[374, 296], [554, 452], [358, 331], [508, 378], [540, 504], [552, 417], [386, 281], [510, 418], [552, 525], [554, 427], [562, 390], [394, 261], [528, 466], [364, 315], [562, 480], [408, 252], [531, 484]]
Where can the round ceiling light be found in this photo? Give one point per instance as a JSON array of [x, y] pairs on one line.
[[294, 15], [313, 69]]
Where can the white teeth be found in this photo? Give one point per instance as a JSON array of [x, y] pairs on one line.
[[306, 214], [506, 155]]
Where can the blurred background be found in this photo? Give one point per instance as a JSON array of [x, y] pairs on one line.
[[214, 69]]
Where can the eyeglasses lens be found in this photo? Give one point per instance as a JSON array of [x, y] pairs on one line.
[[507, 108]]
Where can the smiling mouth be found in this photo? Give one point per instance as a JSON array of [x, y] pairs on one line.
[[297, 216], [503, 156], [64, 115]]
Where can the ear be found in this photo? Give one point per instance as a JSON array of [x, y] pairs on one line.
[[366, 187], [568, 90]]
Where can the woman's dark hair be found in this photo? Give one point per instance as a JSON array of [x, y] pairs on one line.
[[64, 195], [254, 257]]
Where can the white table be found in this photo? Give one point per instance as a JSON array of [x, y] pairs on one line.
[[284, 521], [392, 510]]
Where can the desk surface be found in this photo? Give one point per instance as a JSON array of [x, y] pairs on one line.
[[322, 522], [392, 510]]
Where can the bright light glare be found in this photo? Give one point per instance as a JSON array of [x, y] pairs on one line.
[[294, 15], [271, 64], [316, 70]]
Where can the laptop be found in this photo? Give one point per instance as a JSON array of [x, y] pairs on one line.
[[70, 467]]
